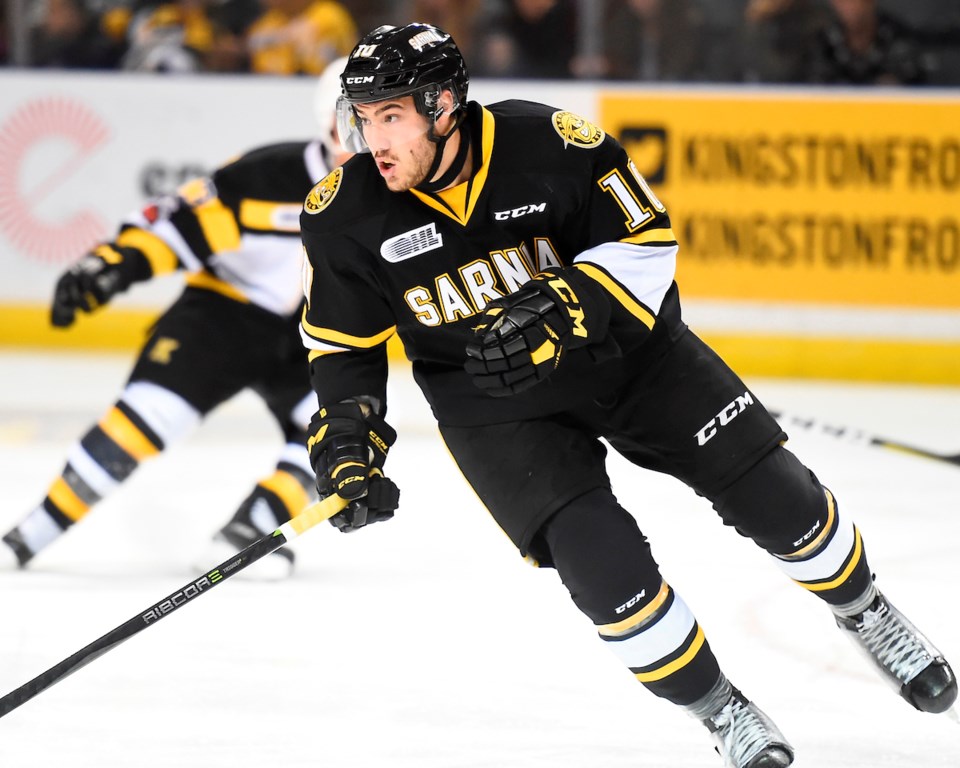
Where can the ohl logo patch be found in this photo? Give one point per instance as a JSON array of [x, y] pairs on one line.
[[576, 131], [322, 194]]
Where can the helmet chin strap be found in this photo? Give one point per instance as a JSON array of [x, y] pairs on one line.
[[458, 161]]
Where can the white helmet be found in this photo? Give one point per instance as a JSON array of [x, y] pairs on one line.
[[325, 104]]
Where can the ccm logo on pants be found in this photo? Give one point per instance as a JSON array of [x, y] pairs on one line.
[[728, 414]]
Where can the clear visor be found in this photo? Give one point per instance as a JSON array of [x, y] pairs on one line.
[[348, 128], [379, 125]]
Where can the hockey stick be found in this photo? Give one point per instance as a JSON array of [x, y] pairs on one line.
[[315, 513], [859, 437]]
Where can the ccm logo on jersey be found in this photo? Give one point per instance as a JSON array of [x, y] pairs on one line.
[[523, 210], [728, 414], [411, 243]]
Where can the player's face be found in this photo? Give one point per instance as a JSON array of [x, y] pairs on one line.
[[397, 136]]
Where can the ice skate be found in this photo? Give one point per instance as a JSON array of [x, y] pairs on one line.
[[8, 559], [905, 657], [746, 738], [14, 554], [237, 535]]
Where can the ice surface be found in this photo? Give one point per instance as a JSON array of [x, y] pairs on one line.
[[427, 642]]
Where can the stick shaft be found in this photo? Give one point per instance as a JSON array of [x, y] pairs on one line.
[[859, 437], [315, 513]]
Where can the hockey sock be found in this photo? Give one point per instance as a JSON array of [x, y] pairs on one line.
[[96, 465], [606, 564], [277, 498], [783, 507], [138, 427], [830, 560], [665, 648]]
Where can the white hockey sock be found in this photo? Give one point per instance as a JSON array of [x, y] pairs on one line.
[[38, 529]]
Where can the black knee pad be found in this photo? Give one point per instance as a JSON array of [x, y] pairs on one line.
[[602, 557], [776, 503]]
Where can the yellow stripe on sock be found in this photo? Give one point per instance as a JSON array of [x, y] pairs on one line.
[[679, 663], [844, 574], [288, 489], [64, 499], [625, 625], [818, 540], [125, 434]]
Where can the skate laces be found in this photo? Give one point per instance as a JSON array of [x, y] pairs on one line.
[[896, 646], [742, 732]]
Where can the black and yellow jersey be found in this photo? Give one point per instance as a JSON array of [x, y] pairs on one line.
[[547, 189], [237, 231]]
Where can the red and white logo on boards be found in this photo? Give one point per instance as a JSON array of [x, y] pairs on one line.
[[43, 144]]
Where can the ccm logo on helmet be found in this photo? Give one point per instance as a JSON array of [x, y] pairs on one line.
[[359, 80]]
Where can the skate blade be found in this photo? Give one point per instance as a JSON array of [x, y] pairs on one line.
[[8, 560]]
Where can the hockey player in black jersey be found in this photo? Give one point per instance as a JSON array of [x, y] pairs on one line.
[[234, 327], [528, 269]]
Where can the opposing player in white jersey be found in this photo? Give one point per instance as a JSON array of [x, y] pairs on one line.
[[234, 327]]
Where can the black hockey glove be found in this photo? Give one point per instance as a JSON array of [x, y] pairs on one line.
[[94, 280], [347, 451], [523, 336]]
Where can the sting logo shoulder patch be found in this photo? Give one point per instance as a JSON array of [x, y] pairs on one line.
[[411, 243], [322, 194], [575, 131]]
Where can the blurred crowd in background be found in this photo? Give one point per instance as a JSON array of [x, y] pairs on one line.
[[845, 42]]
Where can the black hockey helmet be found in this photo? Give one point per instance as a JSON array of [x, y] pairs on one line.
[[415, 59]]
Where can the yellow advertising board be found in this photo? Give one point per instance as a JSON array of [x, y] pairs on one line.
[[806, 198]]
